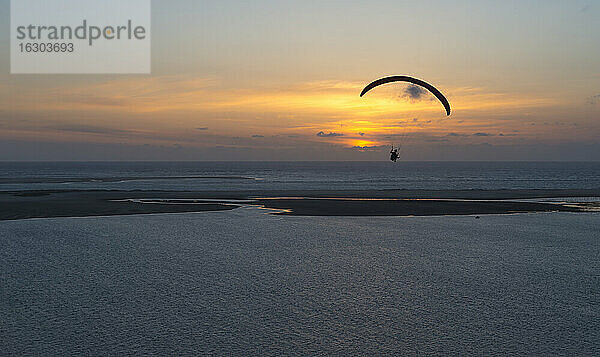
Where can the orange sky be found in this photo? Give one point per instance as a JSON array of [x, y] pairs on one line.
[[295, 88]]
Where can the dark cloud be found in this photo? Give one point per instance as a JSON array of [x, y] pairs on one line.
[[402, 135], [501, 134], [415, 121], [204, 128], [595, 99], [414, 92], [361, 134], [455, 134], [328, 135], [483, 134], [258, 136], [369, 148]]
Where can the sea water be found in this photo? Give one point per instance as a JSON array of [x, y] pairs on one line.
[[226, 176], [244, 282]]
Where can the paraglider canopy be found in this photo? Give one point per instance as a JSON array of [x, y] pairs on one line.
[[412, 80]]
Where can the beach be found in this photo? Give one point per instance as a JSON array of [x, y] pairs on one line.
[[50, 204]]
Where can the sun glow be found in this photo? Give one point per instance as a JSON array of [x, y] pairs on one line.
[[169, 109], [362, 143]]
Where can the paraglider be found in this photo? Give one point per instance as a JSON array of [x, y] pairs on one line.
[[395, 152], [412, 80]]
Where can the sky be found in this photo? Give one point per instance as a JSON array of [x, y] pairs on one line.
[[280, 80]]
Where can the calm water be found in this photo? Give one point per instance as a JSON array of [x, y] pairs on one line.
[[299, 175], [239, 283], [247, 283]]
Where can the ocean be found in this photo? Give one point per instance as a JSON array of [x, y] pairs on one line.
[[246, 282], [226, 176]]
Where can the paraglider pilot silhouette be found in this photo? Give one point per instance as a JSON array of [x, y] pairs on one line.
[[394, 155]]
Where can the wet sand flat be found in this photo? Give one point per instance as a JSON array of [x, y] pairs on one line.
[[48, 204]]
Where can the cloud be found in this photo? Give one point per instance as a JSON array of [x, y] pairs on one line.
[[88, 129], [204, 128], [595, 99], [361, 134], [89, 100], [455, 134], [328, 135], [483, 134], [414, 92], [415, 122], [258, 136], [369, 148], [585, 8]]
